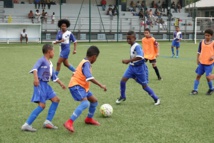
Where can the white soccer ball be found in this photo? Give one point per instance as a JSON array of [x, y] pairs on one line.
[[106, 110]]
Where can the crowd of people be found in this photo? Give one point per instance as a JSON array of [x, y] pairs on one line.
[[41, 17], [38, 3]]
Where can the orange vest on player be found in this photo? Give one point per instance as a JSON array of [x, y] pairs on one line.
[[149, 48], [207, 52], [79, 78]]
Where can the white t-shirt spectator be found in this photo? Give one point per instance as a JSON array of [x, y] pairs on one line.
[[24, 34]]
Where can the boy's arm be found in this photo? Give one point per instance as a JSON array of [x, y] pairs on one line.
[[139, 56], [86, 71], [126, 61], [99, 84], [158, 49], [57, 39], [73, 39], [212, 57], [199, 52], [36, 79], [61, 84]]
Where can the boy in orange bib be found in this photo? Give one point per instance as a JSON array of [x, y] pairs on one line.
[[79, 89], [151, 50]]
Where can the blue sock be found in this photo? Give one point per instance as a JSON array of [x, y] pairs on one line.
[[210, 84], [71, 68], [92, 109], [172, 48], [151, 92], [122, 89], [196, 83], [56, 72], [83, 105], [34, 114], [52, 110], [177, 52]]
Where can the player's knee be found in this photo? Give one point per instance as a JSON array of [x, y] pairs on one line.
[[55, 99], [85, 104], [58, 64], [94, 104], [144, 85], [42, 105]]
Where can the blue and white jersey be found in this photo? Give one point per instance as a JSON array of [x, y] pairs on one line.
[[136, 51], [177, 35], [68, 38], [44, 70]]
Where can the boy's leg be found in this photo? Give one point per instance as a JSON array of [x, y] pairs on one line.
[[156, 69], [208, 70], [92, 108], [200, 71], [151, 93], [58, 66], [27, 126], [177, 52], [173, 53], [69, 66], [122, 90], [51, 112]]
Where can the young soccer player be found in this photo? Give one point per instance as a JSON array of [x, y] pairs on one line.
[[205, 59], [137, 70], [151, 50], [64, 37], [43, 72], [176, 41], [79, 88]]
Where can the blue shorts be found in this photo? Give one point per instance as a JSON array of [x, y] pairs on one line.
[[78, 92], [42, 93], [139, 73], [65, 53], [201, 69], [175, 44]]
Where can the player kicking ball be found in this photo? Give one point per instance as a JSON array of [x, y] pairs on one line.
[[137, 70]]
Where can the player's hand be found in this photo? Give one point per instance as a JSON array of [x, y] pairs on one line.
[[103, 87], [63, 86], [74, 51], [125, 61], [212, 58], [198, 62], [157, 55], [54, 42], [36, 82]]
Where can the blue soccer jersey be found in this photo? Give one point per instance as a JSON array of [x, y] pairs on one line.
[[136, 51], [65, 46], [44, 70], [177, 36]]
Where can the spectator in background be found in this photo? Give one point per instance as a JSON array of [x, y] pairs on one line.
[[37, 15], [163, 6], [114, 10], [37, 2], [45, 17], [138, 5], [53, 18], [31, 16], [159, 6], [153, 4], [43, 4], [23, 35], [15, 1], [142, 4], [179, 6], [103, 3], [173, 6], [132, 6], [141, 14], [48, 2], [111, 13]]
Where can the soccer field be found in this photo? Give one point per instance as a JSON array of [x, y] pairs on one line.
[[181, 118]]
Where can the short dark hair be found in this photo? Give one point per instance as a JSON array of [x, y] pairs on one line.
[[209, 31], [147, 29], [92, 50], [46, 48], [63, 21], [131, 33]]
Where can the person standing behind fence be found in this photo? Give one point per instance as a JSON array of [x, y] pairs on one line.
[[48, 2], [37, 2], [64, 37], [31, 16], [37, 15], [53, 18], [23, 35], [103, 3]]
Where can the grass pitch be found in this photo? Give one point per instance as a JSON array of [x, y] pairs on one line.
[[180, 118]]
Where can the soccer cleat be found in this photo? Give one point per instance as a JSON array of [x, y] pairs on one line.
[[69, 125], [119, 100], [209, 92], [27, 127], [91, 121], [160, 78], [157, 102], [176, 56], [47, 124], [194, 92], [172, 55]]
